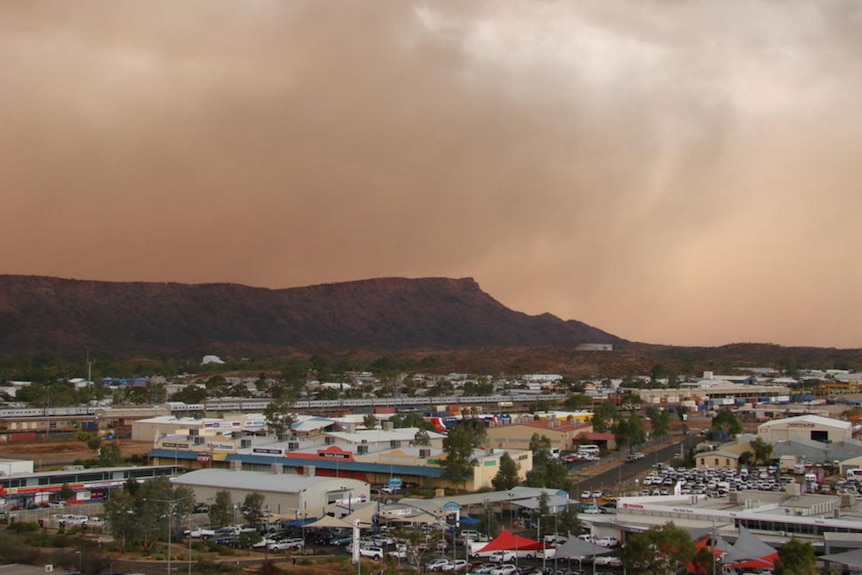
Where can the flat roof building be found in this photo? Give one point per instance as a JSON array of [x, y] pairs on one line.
[[286, 494]]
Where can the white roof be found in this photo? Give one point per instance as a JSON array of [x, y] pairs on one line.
[[815, 419], [380, 435], [257, 480]]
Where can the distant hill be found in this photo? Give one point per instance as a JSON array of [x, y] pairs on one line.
[[52, 315]]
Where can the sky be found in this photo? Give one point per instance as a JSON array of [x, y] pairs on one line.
[[671, 172]]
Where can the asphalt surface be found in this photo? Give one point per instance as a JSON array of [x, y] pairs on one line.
[[615, 473]]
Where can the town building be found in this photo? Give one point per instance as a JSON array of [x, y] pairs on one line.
[[773, 516], [563, 435], [373, 456], [805, 427], [285, 494]]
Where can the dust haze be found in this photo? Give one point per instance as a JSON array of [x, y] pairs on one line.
[[671, 172]]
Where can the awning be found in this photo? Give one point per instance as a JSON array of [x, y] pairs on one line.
[[849, 558], [575, 548], [508, 541]]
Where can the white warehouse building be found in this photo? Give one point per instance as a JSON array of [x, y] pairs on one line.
[[805, 427], [286, 494]]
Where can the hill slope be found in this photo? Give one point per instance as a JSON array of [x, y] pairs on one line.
[[55, 315]]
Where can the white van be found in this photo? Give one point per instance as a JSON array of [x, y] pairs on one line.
[[589, 449], [854, 474]]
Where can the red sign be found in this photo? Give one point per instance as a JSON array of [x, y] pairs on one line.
[[204, 457]]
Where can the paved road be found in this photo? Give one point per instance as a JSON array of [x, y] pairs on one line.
[[624, 473]]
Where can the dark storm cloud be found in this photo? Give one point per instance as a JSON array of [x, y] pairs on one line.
[[670, 172]]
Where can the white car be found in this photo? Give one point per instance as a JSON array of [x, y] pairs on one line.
[[286, 545], [372, 552], [607, 541], [501, 556], [507, 569], [200, 533], [438, 565], [456, 565], [607, 561]]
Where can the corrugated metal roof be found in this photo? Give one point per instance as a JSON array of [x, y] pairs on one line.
[[259, 481]]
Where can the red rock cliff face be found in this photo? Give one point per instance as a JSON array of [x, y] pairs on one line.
[[58, 315]]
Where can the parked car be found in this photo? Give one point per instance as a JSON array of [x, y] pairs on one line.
[[607, 561], [287, 545], [607, 541], [506, 569], [372, 552], [437, 565], [501, 556], [200, 533]]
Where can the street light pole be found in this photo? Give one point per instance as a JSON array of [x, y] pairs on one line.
[[172, 503]]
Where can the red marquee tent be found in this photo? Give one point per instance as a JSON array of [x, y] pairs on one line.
[[508, 541]]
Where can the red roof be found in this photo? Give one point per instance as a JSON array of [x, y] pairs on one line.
[[596, 436], [508, 541], [550, 425]]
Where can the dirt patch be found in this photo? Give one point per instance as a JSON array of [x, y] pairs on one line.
[[48, 455]]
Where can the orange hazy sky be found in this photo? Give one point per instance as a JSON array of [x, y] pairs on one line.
[[672, 172]]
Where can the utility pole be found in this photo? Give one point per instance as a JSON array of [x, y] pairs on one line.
[[172, 506]]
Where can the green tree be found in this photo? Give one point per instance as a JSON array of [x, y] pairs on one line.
[[458, 447], [796, 558], [278, 417], [421, 438], [65, 492], [140, 521], [660, 421], [664, 550], [411, 419], [725, 425], [369, 421], [762, 451], [507, 475], [568, 522], [578, 401], [252, 509], [110, 455], [190, 394], [629, 432], [222, 509], [547, 471], [603, 416], [418, 542]]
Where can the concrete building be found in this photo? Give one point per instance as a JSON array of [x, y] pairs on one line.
[[15, 466], [817, 452], [371, 456], [286, 494], [805, 427], [516, 436], [151, 429], [718, 460], [772, 516], [715, 393]]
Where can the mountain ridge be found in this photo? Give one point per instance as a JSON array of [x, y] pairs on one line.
[[60, 315]]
